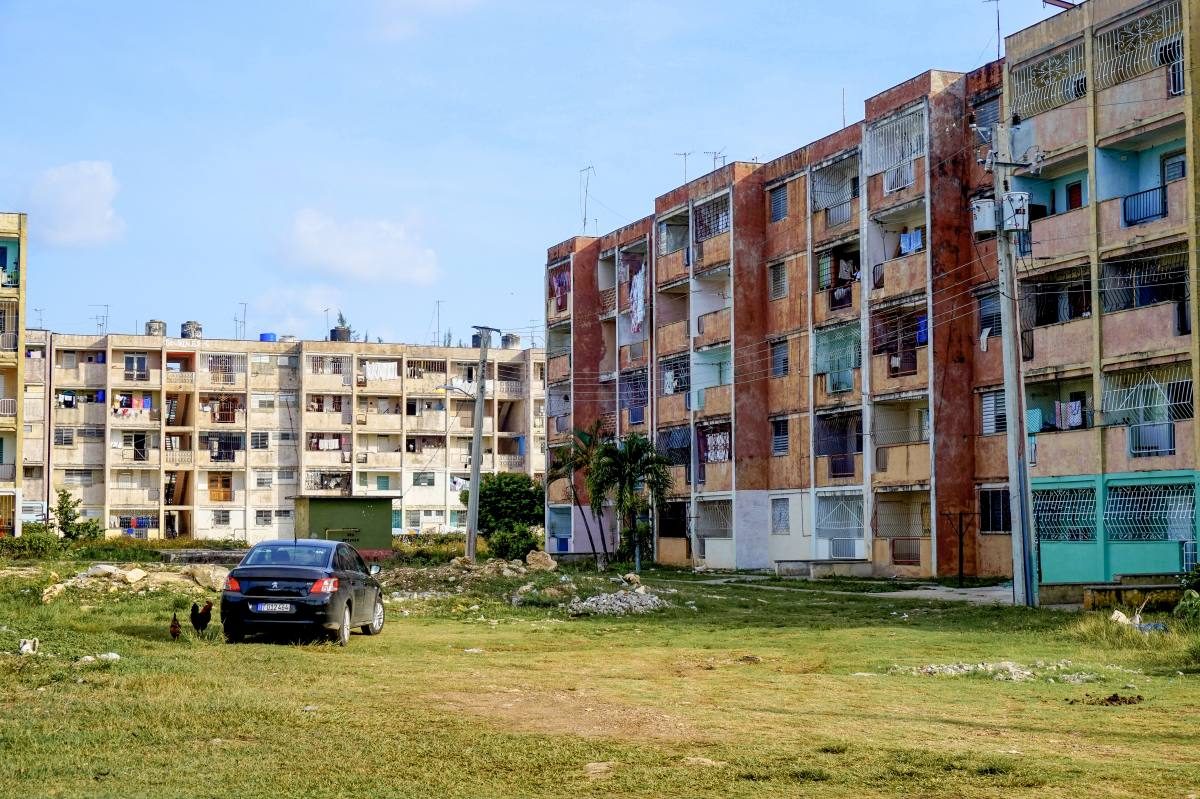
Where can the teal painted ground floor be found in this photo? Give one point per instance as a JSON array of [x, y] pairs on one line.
[[1095, 528]]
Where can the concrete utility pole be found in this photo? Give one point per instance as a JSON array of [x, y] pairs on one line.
[[485, 335], [1012, 214]]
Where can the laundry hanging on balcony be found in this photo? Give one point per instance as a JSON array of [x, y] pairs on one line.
[[637, 295], [380, 370], [560, 286]]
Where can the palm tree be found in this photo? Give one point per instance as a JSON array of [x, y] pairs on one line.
[[575, 457], [627, 470]]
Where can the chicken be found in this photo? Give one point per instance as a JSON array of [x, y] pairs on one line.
[[175, 628], [201, 617]]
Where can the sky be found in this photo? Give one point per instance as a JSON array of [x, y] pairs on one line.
[[374, 157]]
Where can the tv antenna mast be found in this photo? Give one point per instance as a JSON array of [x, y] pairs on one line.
[[685, 157], [715, 155]]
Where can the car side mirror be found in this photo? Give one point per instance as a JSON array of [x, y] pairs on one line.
[[375, 569]]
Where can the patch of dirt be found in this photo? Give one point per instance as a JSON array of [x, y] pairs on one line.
[[1112, 700], [599, 771], [25, 572], [569, 712]]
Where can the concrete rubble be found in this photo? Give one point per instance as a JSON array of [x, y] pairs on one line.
[[538, 561], [106, 578], [621, 603], [1004, 671]]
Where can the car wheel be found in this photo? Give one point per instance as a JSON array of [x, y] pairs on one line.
[[233, 633], [342, 636], [376, 625]]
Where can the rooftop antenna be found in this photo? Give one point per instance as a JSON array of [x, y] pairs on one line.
[[585, 179], [239, 325], [684, 156], [715, 155], [101, 320], [38, 311], [1000, 41], [326, 320], [438, 340], [844, 104]]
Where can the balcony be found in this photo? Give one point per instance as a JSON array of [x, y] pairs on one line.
[[380, 422], [849, 393], [135, 377], [672, 409], [1061, 235], [33, 451], [877, 195], [35, 370], [8, 345], [222, 417], [717, 477], [330, 383], [1145, 215], [178, 457], [133, 497], [179, 379], [712, 328], [1064, 453], [510, 462], [380, 459], [716, 401], [559, 367], [136, 417], [90, 454], [222, 459], [215, 495], [842, 302], [326, 457], [85, 374], [132, 457], [507, 389], [1141, 331], [632, 356], [380, 380], [1057, 346], [907, 370], [835, 470], [223, 380], [8, 409], [671, 267], [558, 308], [899, 276], [901, 464], [1148, 447], [711, 252], [1129, 104], [328, 420], [672, 338], [835, 221]]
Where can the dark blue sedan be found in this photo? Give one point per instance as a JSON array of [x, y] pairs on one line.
[[305, 584]]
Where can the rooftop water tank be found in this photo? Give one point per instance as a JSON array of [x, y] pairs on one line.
[[156, 327], [510, 341], [339, 334], [267, 337], [191, 329]]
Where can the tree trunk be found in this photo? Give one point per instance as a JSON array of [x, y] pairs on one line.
[[586, 526]]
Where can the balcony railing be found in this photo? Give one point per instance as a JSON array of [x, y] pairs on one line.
[[8, 342], [179, 377], [842, 465], [840, 297], [178, 457], [1151, 439], [8, 407], [838, 214], [906, 551], [1145, 206]]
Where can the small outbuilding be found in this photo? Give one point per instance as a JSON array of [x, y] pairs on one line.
[[363, 522]]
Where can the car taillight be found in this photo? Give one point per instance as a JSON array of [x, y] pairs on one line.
[[231, 584], [326, 585]]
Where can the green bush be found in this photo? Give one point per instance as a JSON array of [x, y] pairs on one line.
[[514, 543], [31, 545], [1188, 609], [122, 549], [508, 500], [431, 548]]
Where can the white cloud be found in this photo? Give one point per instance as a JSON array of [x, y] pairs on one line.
[[369, 250], [400, 19], [296, 310], [72, 205]]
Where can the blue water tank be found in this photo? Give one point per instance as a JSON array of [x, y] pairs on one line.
[[267, 337]]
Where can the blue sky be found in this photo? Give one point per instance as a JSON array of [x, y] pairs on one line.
[[378, 155]]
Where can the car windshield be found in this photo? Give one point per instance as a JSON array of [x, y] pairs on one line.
[[286, 555]]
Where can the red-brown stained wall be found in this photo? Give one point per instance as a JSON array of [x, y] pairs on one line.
[[752, 436]]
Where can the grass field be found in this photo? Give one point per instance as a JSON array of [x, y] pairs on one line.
[[752, 693]]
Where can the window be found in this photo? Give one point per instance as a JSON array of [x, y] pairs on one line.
[[412, 519], [285, 475], [78, 477], [283, 513], [263, 401], [993, 412], [987, 114], [220, 518], [777, 276], [779, 202], [1174, 167], [712, 218], [262, 518], [382, 482], [1145, 279], [1049, 82], [779, 436], [838, 354], [989, 315], [779, 358], [285, 435], [994, 511], [423, 478], [781, 523], [1074, 195], [397, 519], [94, 433], [263, 479], [64, 437], [260, 440], [458, 519]]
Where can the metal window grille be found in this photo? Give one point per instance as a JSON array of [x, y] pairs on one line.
[[899, 177], [220, 518], [895, 142], [262, 518], [824, 270], [676, 445], [1174, 167], [1049, 82], [779, 436], [989, 314], [778, 279], [781, 523], [834, 185], [779, 202], [779, 358], [987, 114], [1148, 41], [676, 376], [992, 409], [1150, 513], [839, 516], [1151, 439], [64, 436], [1175, 79], [712, 218], [994, 511], [906, 551], [902, 519], [838, 214], [1065, 514], [1160, 394], [838, 348], [714, 518], [1158, 276], [838, 434]]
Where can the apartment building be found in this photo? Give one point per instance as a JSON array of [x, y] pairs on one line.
[[1107, 302], [12, 366], [208, 438], [825, 364]]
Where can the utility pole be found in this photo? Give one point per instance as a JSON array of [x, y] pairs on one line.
[[1011, 213], [485, 335]]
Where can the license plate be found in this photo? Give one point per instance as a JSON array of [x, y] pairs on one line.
[[273, 607]]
